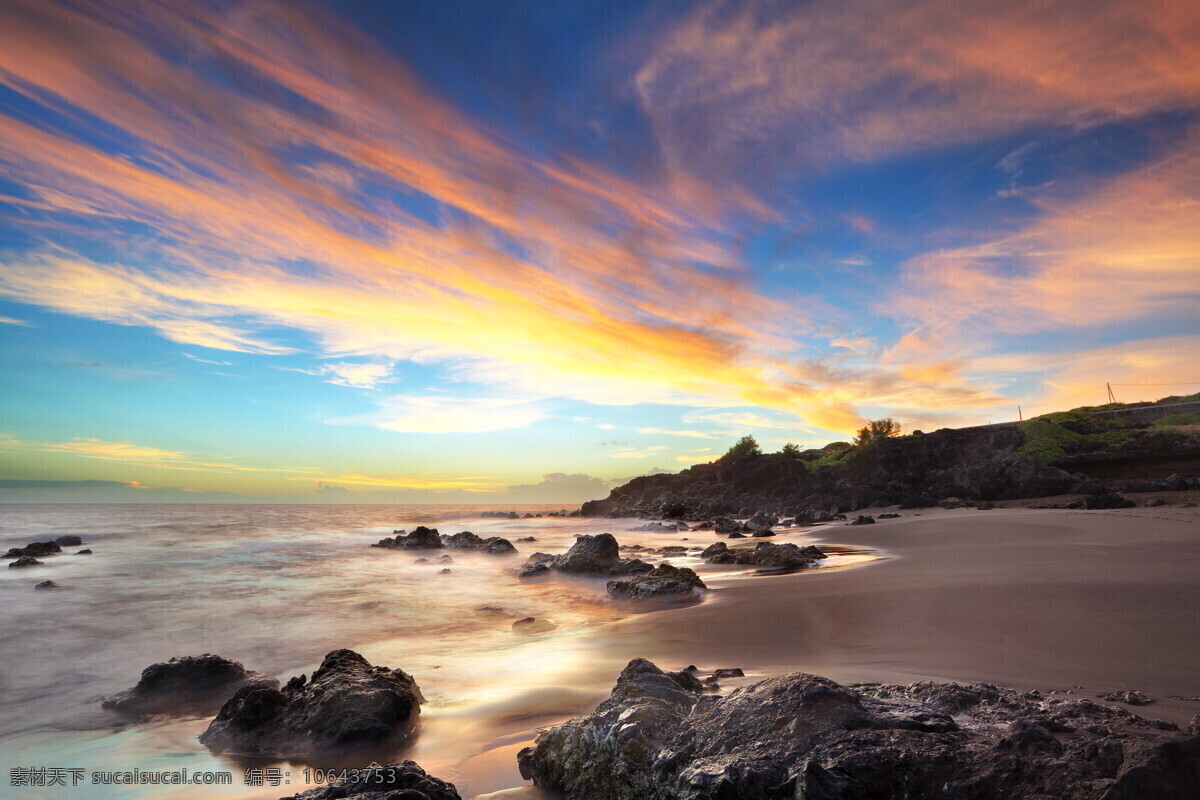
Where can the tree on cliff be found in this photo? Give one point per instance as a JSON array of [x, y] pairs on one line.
[[790, 449], [877, 429], [746, 446]]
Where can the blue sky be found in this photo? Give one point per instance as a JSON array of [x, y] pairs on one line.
[[372, 251]]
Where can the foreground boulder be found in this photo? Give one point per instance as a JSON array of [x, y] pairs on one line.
[[403, 780], [786, 556], [664, 581], [590, 555], [804, 736], [186, 685], [348, 705]]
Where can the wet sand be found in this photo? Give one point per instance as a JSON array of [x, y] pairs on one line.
[[1052, 600]]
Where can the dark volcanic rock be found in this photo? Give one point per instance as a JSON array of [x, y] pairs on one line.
[[421, 538], [84, 552], [403, 780], [665, 580], [34, 550], [25, 561], [864, 520], [69, 540], [469, 541], [47, 585], [803, 736], [1107, 500], [592, 555], [785, 556], [186, 685], [348, 705]]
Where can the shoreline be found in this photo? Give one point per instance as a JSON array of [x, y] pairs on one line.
[[1026, 599]]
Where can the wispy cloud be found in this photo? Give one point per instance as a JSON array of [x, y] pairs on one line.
[[645, 452], [148, 456], [667, 432], [439, 413], [356, 376], [862, 80], [15, 321]]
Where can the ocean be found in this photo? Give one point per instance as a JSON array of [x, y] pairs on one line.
[[276, 587]]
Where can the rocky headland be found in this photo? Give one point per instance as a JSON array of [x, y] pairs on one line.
[[1085, 452]]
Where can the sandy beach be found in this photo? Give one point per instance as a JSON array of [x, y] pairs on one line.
[[1087, 601]]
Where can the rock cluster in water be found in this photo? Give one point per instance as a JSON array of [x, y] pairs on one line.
[[804, 736], [422, 538], [590, 555], [348, 705], [185, 685]]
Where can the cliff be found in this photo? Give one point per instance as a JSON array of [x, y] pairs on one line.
[[1083, 451]]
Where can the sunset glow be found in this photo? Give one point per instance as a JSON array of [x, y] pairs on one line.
[[390, 252]]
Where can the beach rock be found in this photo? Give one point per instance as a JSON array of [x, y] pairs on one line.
[[764, 534], [735, 672], [737, 535], [469, 541], [403, 780], [527, 539], [34, 550], [84, 552], [348, 705], [1107, 500], [500, 515], [25, 561], [1128, 697], [889, 516], [726, 525], [864, 520], [47, 585], [446, 571], [804, 736], [664, 581], [786, 556], [68, 540], [985, 507], [591, 555], [421, 538], [759, 522], [1154, 502], [186, 685]]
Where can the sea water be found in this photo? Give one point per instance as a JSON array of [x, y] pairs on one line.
[[276, 587]]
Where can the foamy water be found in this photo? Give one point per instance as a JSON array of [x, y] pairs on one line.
[[278, 586]]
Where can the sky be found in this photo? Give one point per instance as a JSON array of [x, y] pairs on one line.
[[518, 252]]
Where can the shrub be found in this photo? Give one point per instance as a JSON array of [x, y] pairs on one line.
[[877, 429], [745, 446], [790, 450]]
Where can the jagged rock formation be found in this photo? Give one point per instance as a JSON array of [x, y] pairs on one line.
[[591, 555], [664, 581], [186, 685], [348, 705], [804, 736], [784, 557]]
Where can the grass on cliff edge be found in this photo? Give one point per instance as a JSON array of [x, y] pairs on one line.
[[1046, 440]]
